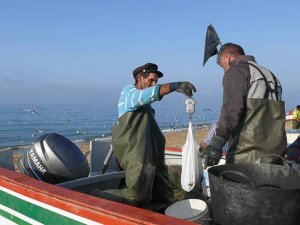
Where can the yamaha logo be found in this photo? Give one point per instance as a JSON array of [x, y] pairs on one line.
[[36, 162]]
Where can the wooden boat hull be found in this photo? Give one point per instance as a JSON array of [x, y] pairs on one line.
[[24, 200]]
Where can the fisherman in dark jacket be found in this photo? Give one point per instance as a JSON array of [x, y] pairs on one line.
[[252, 116], [137, 140]]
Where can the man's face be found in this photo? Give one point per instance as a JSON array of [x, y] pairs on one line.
[[149, 81], [224, 61]]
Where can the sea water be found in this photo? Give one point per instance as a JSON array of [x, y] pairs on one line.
[[21, 124]]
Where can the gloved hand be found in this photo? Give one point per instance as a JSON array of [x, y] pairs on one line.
[[213, 152], [183, 87]]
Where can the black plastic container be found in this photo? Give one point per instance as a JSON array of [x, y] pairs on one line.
[[54, 159], [255, 194]]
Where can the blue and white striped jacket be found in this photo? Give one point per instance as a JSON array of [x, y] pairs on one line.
[[132, 98]]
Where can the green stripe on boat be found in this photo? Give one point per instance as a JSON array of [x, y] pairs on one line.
[[35, 210], [12, 218]]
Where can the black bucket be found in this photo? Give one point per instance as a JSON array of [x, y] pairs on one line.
[[250, 193]]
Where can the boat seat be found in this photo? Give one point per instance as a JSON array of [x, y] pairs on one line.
[[6, 159], [98, 152], [105, 181]]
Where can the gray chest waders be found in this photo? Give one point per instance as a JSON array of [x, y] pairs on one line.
[[262, 129]]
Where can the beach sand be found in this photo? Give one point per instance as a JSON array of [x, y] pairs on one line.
[[177, 139], [174, 139]]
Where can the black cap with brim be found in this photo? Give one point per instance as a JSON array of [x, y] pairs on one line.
[[147, 68]]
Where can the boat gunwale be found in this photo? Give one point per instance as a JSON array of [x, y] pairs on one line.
[[90, 207]]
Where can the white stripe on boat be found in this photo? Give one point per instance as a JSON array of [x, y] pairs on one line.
[[5, 221], [19, 215], [50, 208]]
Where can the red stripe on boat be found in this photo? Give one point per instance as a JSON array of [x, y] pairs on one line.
[[93, 208]]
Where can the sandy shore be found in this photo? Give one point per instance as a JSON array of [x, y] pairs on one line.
[[177, 139], [173, 140]]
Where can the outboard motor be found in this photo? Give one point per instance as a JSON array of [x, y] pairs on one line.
[[54, 159]]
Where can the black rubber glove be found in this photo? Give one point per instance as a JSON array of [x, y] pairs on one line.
[[183, 87], [213, 152]]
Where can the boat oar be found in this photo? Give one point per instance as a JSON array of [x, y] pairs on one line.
[[106, 161]]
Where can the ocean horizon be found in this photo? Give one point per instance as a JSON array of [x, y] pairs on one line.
[[22, 124]]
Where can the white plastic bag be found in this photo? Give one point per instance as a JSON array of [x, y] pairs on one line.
[[191, 167]]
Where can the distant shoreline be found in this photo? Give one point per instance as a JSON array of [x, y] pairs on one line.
[[80, 122], [174, 139], [86, 141], [106, 136]]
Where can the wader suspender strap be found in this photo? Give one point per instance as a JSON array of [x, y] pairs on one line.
[[268, 88]]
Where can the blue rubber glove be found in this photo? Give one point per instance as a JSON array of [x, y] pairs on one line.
[[213, 152]]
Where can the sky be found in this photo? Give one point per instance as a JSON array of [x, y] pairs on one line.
[[71, 51]]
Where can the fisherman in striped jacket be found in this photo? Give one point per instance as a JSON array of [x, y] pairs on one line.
[[137, 140]]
